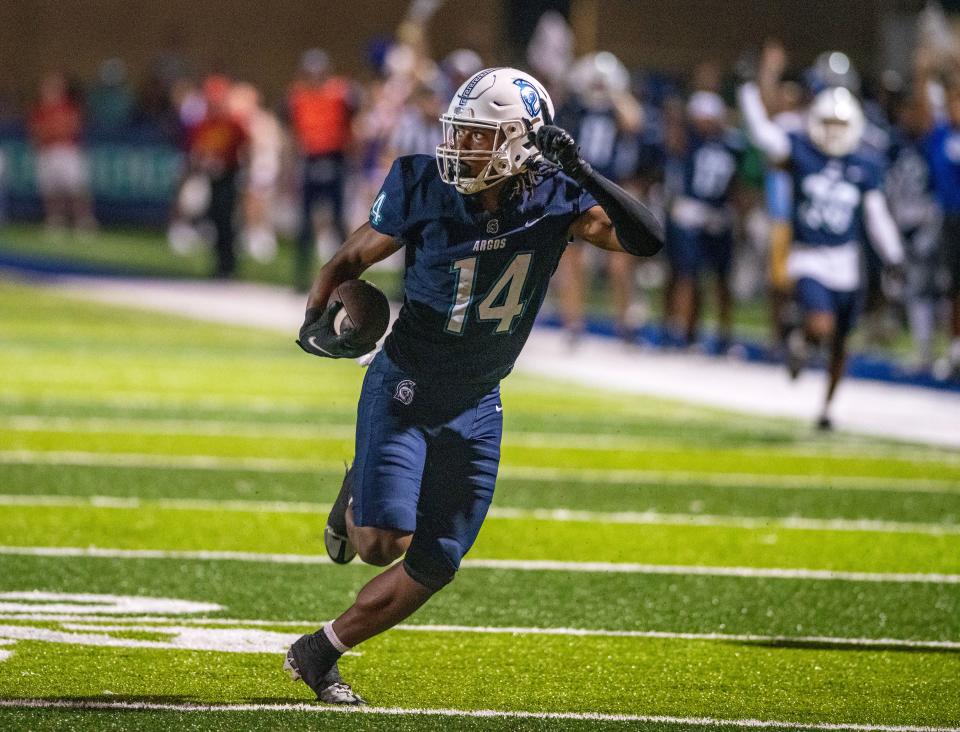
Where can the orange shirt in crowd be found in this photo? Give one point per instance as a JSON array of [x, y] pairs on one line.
[[216, 142], [320, 116], [57, 123]]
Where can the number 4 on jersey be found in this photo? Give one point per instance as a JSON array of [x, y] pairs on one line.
[[497, 305]]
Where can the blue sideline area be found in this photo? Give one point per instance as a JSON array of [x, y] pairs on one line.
[[860, 365]]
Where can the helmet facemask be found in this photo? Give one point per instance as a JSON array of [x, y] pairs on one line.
[[506, 158]]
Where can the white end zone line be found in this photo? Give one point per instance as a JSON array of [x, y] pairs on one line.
[[522, 565], [473, 713], [644, 518]]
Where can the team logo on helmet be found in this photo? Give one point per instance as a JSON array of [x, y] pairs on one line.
[[530, 96], [405, 391]]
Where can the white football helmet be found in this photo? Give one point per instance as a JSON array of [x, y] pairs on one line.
[[835, 121], [596, 77], [508, 102]]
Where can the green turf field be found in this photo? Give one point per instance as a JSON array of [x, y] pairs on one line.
[[646, 565]]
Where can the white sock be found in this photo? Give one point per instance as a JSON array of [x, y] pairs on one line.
[[334, 640]]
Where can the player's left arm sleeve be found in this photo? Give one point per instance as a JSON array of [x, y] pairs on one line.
[[883, 232], [631, 224], [624, 223], [620, 221]]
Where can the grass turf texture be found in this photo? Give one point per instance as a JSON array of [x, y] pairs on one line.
[[103, 383]]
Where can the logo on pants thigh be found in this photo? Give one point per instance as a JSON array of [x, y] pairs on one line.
[[405, 391]]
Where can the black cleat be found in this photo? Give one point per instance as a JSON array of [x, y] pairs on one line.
[[335, 537], [825, 424], [304, 663]]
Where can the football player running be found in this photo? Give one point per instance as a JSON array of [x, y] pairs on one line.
[[484, 224], [837, 195]]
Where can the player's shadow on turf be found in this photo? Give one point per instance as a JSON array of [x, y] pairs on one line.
[[812, 645]]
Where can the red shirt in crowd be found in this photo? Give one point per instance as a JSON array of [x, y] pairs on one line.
[[320, 116], [216, 143], [56, 123]]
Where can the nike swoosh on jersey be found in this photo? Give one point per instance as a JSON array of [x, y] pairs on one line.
[[498, 408], [531, 222]]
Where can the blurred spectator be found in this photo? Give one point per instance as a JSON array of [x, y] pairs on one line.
[[942, 147], [456, 67], [604, 118], [550, 51], [63, 174], [266, 146], [915, 210], [218, 146], [320, 107], [417, 131], [699, 218], [110, 101]]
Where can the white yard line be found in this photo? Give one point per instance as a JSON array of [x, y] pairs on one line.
[[104, 624], [520, 565], [470, 713], [644, 518], [529, 473], [309, 429]]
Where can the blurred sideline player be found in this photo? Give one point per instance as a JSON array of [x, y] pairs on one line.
[[700, 221], [484, 224], [219, 147], [601, 114], [321, 107], [836, 196], [942, 145], [914, 208], [785, 98], [266, 149], [63, 171]]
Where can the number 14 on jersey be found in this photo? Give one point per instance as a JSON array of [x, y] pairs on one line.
[[501, 303]]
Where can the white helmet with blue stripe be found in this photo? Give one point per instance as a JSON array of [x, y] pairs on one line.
[[835, 121], [506, 102]]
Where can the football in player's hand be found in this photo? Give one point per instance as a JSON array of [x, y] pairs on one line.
[[365, 311]]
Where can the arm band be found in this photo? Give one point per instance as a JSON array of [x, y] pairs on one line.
[[638, 230]]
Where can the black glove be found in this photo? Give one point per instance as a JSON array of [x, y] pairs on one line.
[[317, 336], [558, 147]]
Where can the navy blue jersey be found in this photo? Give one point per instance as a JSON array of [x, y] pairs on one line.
[[710, 165], [474, 281], [598, 135], [942, 146], [907, 183], [828, 193]]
